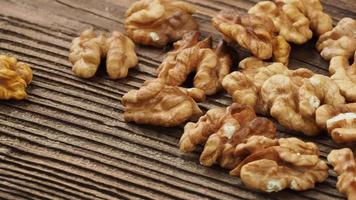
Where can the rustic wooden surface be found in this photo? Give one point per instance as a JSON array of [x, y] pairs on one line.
[[68, 140]]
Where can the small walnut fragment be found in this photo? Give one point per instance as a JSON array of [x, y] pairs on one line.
[[320, 22], [254, 33], [340, 41], [223, 130], [339, 120], [290, 96], [158, 104], [159, 22], [344, 165], [288, 17], [14, 78], [344, 76], [291, 164], [87, 51], [190, 54]]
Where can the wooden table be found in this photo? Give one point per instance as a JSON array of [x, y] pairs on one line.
[[68, 140]]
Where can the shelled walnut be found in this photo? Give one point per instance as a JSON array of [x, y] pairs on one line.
[[340, 41], [158, 22], [291, 164], [254, 33], [87, 51], [320, 22], [344, 76], [344, 165], [339, 120], [290, 96], [156, 103], [190, 55], [288, 17], [223, 131], [14, 78]]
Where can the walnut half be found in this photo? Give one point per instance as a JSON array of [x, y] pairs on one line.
[[158, 22], [14, 78], [291, 164], [344, 165], [158, 104], [339, 120]]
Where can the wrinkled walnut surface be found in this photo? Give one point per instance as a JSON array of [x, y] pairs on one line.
[[344, 165], [257, 34], [191, 55], [339, 120], [87, 51], [158, 104], [14, 78], [158, 22], [340, 41], [291, 164]]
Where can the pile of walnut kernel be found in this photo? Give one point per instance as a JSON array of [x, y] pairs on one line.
[[234, 138]]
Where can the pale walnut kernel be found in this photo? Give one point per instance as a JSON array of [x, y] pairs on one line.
[[159, 22], [14, 78], [158, 104], [254, 33], [339, 120], [292, 164], [344, 76], [340, 41], [87, 51], [211, 65], [320, 22], [344, 165], [288, 17]]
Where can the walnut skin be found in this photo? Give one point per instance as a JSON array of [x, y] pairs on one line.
[[87, 51], [344, 165], [159, 22], [14, 78], [340, 41], [290, 96], [288, 17], [344, 76], [254, 33], [292, 164], [339, 120], [190, 55], [158, 104]]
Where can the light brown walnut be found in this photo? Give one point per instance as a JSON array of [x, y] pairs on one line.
[[344, 76], [344, 165], [255, 33], [339, 120], [291, 164], [159, 22], [320, 22], [89, 49], [290, 96], [156, 103], [340, 41], [14, 78], [288, 17], [191, 55]]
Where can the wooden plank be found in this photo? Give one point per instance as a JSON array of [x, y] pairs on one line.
[[68, 140]]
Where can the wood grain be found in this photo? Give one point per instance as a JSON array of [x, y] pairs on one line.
[[68, 140]]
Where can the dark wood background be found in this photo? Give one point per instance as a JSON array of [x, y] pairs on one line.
[[68, 140]]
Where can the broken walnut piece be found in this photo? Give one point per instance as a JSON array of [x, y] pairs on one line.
[[156, 103], [340, 41], [291, 164], [87, 51], [320, 22], [344, 76], [14, 78], [254, 33], [159, 22], [344, 164], [339, 120], [288, 17], [189, 55]]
